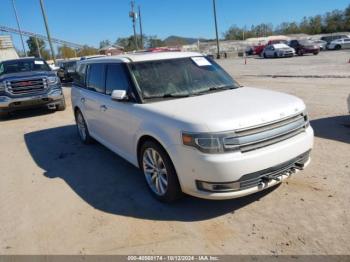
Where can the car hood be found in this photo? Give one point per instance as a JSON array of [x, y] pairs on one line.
[[31, 74], [285, 49], [228, 110]]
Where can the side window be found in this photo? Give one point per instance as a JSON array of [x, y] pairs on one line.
[[116, 78], [79, 76], [96, 78]]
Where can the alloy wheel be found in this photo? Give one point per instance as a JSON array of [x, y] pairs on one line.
[[81, 126], [155, 171]]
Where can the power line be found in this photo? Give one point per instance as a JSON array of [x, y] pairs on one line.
[[39, 36]]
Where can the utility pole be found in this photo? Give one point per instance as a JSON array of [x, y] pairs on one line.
[[133, 16], [216, 31], [140, 21], [19, 27], [47, 30]]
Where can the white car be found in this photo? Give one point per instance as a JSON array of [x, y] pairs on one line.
[[339, 44], [322, 44], [189, 126], [278, 50]]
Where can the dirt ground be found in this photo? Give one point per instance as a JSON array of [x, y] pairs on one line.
[[58, 196]]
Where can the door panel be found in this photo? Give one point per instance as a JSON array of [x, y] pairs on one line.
[[115, 126]]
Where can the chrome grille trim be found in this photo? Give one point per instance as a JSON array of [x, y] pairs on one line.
[[257, 137], [19, 87]]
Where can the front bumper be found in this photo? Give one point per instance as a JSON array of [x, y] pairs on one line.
[[286, 54], [53, 97], [193, 166]]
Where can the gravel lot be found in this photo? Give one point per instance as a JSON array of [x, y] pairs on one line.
[[58, 196]]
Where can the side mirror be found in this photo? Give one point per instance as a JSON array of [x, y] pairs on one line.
[[119, 95]]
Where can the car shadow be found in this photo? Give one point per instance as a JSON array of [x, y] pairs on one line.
[[28, 113], [111, 184], [333, 128]]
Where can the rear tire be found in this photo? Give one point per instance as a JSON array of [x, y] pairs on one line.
[[159, 172], [300, 52], [82, 128], [337, 47], [316, 53], [264, 55]]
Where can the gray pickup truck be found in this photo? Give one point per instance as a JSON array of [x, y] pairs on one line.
[[27, 83]]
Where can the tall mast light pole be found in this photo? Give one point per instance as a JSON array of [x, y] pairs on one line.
[[133, 16], [19, 27], [47, 30], [216, 31], [141, 33]]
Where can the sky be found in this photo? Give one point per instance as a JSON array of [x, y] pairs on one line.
[[90, 21]]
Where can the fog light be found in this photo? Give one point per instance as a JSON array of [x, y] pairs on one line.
[[217, 187]]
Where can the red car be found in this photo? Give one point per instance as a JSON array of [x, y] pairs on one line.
[[257, 50]]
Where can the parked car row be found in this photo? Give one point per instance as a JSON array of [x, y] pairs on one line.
[[278, 47]]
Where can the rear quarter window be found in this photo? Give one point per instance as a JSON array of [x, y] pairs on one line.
[[96, 78], [80, 75]]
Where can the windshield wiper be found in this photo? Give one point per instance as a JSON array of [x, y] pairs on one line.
[[168, 95], [215, 88]]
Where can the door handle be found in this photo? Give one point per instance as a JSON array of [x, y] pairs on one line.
[[82, 100], [103, 108]]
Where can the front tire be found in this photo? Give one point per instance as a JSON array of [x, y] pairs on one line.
[[337, 47], [159, 172], [83, 130], [4, 115], [300, 52], [61, 106]]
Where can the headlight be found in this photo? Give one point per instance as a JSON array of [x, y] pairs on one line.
[[52, 80], [211, 143], [2, 86]]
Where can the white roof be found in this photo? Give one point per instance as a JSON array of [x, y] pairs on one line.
[[140, 57]]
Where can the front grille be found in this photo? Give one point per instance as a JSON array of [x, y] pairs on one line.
[[26, 86], [254, 138], [273, 173]]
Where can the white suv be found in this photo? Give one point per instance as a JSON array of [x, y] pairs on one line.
[[189, 126]]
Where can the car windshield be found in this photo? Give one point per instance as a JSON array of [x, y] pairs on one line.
[[17, 66], [180, 77]]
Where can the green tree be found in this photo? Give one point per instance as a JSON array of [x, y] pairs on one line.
[[35, 45], [104, 43], [66, 52], [347, 19], [87, 50], [315, 25], [154, 41], [127, 42]]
